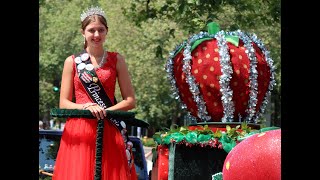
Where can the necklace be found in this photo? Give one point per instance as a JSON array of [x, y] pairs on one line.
[[103, 60]]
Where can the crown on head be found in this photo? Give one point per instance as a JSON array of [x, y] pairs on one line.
[[91, 11]]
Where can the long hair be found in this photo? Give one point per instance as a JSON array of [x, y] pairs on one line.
[[90, 19]]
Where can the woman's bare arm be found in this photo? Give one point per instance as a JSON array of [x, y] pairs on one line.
[[66, 89]]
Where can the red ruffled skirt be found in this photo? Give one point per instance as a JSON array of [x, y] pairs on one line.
[[76, 155]]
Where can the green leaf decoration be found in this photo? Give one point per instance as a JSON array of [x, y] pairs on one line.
[[184, 132], [191, 137], [245, 127], [178, 137], [167, 139], [228, 146], [203, 134], [183, 128], [228, 128], [253, 132], [227, 143], [217, 176], [198, 42], [206, 130], [225, 138], [204, 137], [157, 138], [213, 28], [269, 128], [241, 138], [217, 134], [174, 127]]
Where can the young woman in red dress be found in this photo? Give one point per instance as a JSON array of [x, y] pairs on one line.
[[76, 159]]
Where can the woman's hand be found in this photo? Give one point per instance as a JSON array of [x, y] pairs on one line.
[[96, 110]]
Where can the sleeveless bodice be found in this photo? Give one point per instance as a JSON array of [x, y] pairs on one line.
[[76, 156], [107, 76]]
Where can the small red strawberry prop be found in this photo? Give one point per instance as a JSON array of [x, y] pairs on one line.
[[221, 76], [258, 157]]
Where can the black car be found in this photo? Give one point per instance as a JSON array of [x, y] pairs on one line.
[[49, 141]]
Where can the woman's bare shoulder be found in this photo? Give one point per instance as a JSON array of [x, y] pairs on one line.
[[69, 60], [120, 57]]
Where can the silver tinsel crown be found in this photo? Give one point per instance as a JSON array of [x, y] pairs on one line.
[[91, 11]]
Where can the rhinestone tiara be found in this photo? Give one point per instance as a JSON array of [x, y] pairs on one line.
[[91, 11]]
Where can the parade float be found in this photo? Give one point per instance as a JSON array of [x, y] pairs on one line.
[[223, 80]]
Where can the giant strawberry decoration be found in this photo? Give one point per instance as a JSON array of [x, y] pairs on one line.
[[222, 76]]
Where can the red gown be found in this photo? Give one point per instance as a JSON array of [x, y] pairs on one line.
[[76, 156]]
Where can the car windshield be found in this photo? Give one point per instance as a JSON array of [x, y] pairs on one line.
[[48, 148]]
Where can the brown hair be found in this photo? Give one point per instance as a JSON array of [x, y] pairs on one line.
[[90, 19]]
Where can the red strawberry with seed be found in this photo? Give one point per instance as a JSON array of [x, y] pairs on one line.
[[249, 82]]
